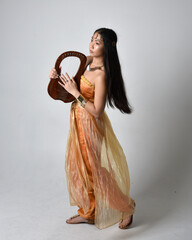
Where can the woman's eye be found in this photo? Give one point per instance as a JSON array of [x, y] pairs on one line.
[[96, 42]]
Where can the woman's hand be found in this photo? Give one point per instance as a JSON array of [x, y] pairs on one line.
[[69, 84], [53, 73]]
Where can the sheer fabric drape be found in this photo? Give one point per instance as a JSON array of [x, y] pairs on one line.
[[96, 168]]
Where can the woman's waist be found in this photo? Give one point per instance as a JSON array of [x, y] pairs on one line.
[[79, 110]]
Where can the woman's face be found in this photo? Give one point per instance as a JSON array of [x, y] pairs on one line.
[[96, 46]]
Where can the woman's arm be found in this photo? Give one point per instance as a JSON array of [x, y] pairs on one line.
[[97, 107]]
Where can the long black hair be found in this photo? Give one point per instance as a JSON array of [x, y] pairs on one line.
[[116, 94]]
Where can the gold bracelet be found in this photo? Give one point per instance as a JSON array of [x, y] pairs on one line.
[[82, 100]]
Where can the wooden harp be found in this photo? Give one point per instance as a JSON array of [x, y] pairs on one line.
[[55, 90]]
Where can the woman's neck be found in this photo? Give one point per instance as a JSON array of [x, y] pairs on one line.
[[97, 61]]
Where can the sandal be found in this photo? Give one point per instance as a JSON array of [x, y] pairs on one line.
[[90, 221], [127, 226], [130, 222]]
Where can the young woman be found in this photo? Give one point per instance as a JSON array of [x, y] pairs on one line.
[[95, 164]]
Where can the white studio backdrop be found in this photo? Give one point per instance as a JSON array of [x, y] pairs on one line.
[[154, 46]]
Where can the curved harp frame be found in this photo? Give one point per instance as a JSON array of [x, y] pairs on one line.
[[55, 90]]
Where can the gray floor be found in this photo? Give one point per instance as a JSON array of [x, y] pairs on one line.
[[34, 206]]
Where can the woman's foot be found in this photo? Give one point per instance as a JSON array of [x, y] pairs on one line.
[[78, 219], [125, 223]]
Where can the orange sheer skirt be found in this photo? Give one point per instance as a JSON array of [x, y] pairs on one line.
[[96, 168]]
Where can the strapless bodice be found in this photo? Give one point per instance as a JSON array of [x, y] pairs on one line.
[[87, 89]]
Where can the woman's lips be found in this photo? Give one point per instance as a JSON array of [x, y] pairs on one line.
[[90, 51]]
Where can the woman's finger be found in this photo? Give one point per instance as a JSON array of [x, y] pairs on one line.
[[62, 80], [68, 76], [62, 84], [63, 76], [53, 73], [65, 79]]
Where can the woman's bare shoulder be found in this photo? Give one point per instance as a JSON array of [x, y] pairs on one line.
[[100, 78]]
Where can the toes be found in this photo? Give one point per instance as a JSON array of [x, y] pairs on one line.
[[69, 220], [121, 225]]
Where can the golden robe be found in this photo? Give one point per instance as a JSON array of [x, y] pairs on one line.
[[96, 168]]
